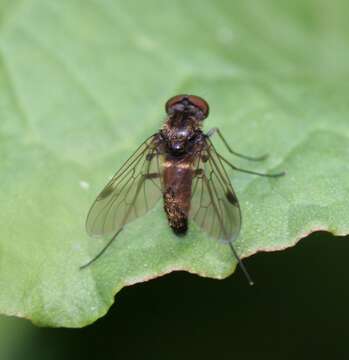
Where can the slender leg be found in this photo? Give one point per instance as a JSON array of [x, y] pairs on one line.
[[149, 176], [216, 130], [237, 257], [102, 251], [250, 171]]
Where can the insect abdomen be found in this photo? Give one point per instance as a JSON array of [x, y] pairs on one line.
[[177, 194], [177, 218]]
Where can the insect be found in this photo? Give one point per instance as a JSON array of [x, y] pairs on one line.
[[180, 164]]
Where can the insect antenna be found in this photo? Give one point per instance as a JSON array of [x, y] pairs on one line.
[[101, 252], [242, 266]]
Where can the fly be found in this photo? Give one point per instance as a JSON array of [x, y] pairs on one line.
[[180, 164]]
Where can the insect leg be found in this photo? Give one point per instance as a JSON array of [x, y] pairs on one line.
[[249, 171], [242, 266], [101, 252], [145, 177], [237, 257], [216, 130]]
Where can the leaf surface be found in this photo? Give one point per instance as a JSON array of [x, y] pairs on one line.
[[83, 83]]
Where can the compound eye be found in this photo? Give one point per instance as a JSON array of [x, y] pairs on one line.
[[200, 103], [173, 101], [179, 102]]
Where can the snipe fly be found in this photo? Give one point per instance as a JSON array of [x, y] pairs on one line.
[[180, 164]]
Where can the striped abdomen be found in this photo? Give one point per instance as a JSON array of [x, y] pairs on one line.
[[177, 177]]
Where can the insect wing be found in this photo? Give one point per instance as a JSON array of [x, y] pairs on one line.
[[214, 205], [132, 191]]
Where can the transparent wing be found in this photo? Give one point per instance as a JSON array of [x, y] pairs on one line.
[[214, 205], [132, 191]]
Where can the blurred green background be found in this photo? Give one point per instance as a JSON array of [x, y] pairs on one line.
[[273, 54], [292, 312]]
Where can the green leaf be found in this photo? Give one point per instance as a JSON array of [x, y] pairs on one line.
[[82, 83]]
